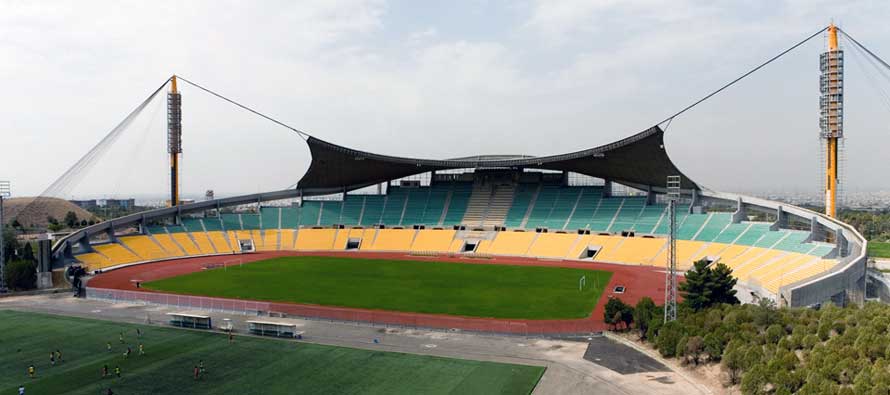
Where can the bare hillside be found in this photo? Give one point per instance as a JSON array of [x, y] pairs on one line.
[[33, 211]]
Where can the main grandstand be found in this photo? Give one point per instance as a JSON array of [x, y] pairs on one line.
[[605, 204]]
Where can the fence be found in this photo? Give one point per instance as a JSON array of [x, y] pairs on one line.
[[385, 319]]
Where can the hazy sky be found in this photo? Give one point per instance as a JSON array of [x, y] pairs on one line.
[[431, 79]]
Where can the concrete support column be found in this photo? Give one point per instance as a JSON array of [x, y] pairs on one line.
[[607, 188], [740, 213]]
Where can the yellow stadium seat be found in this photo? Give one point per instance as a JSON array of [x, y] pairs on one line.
[[190, 246], [483, 247], [205, 246], [787, 262], [220, 243], [605, 245], [552, 245], [343, 236], [512, 243], [145, 247], [94, 261], [433, 240], [712, 250], [117, 253], [456, 245], [392, 240], [315, 239], [767, 257], [169, 245], [806, 270], [635, 251], [288, 236]]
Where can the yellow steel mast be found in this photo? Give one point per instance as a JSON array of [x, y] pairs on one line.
[[174, 138], [831, 118]]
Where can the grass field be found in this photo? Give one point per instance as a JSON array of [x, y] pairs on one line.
[[478, 290], [247, 366], [878, 249]]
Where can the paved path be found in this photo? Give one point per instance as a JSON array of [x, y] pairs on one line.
[[567, 371]]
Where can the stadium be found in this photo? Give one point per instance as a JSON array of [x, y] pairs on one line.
[[514, 246]]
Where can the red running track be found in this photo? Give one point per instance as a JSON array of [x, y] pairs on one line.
[[639, 281]]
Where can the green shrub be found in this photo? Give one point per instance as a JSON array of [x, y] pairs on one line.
[[21, 275]]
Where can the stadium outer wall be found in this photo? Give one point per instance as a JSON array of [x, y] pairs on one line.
[[120, 285]]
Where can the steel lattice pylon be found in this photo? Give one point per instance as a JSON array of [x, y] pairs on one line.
[[670, 276]]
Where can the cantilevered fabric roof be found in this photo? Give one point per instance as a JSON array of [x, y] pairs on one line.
[[639, 161]]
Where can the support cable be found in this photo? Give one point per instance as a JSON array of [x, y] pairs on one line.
[[301, 133], [731, 83], [872, 54]]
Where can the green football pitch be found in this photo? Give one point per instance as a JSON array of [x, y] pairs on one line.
[[248, 366], [478, 290]]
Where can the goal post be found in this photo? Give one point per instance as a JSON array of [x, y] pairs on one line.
[[233, 263], [582, 282]]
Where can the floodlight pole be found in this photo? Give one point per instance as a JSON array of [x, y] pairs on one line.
[[670, 277], [4, 192]]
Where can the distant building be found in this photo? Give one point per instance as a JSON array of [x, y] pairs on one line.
[[85, 204], [123, 204]]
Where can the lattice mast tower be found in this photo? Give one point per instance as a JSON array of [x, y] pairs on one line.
[[831, 116], [670, 275], [174, 138]]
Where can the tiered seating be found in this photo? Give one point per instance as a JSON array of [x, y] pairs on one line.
[[433, 240], [731, 232], [752, 234], [435, 205], [562, 208], [631, 208], [543, 206], [649, 218], [457, 205], [200, 246], [330, 212], [587, 204], [633, 250], [690, 226], [390, 240], [315, 239], [290, 217], [343, 236], [394, 206], [220, 244], [714, 226], [416, 205], [116, 253], [803, 270], [210, 224], [270, 217], [145, 247], [269, 239], [373, 210], [521, 200], [288, 238], [794, 242], [309, 213], [352, 209], [94, 260], [605, 212], [769, 239], [552, 245], [512, 243], [169, 245]]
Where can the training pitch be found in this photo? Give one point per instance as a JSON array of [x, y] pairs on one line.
[[467, 289], [249, 365]]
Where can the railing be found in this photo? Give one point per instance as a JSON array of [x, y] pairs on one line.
[[385, 319]]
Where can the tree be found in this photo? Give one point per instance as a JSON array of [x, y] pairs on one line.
[[705, 287], [668, 337], [28, 253], [10, 244], [733, 361], [616, 312], [755, 380], [71, 219], [694, 348], [644, 312], [21, 275]]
